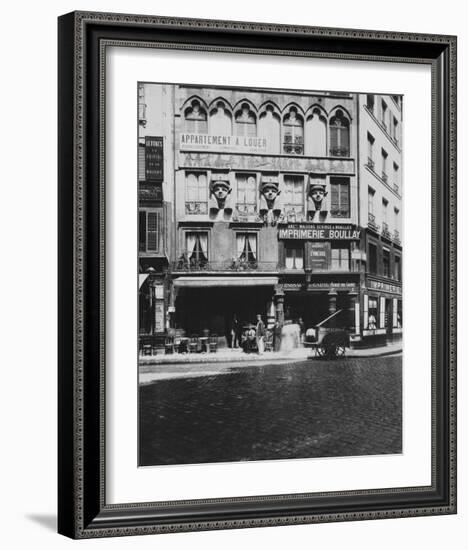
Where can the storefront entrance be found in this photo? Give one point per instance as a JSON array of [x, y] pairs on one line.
[[313, 307], [212, 309]]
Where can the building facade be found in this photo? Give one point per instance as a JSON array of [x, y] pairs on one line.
[[251, 202]]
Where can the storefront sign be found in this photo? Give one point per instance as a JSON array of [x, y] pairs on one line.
[[266, 163], [319, 232], [154, 158], [319, 256], [386, 287], [320, 285], [238, 144]]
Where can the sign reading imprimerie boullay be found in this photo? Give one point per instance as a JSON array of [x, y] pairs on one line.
[[318, 232]]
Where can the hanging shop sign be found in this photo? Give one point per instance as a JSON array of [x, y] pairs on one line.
[[320, 285], [319, 232]]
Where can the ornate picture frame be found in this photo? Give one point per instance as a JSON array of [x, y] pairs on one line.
[[83, 510]]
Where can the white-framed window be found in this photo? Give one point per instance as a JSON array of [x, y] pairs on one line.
[[293, 132], [340, 206], [293, 194], [246, 247], [196, 247], [370, 150], [195, 118], [220, 120], [339, 257], [294, 256], [339, 135], [269, 127], [246, 121], [196, 193], [246, 193]]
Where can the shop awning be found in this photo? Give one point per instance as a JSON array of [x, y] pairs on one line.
[[142, 278], [205, 282]]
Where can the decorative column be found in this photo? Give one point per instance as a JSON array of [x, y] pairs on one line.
[[332, 301], [279, 305], [353, 315]]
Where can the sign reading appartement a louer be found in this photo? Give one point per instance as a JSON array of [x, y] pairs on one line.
[[319, 232], [236, 144]]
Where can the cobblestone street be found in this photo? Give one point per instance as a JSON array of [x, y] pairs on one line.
[[304, 409]]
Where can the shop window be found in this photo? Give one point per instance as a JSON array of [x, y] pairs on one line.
[[339, 135], [196, 248], [246, 193], [246, 122], [294, 256], [373, 313], [196, 196], [339, 257], [339, 203], [386, 262], [220, 120], [293, 194], [195, 118], [373, 267], [247, 247], [316, 134], [293, 133], [150, 230], [269, 127]]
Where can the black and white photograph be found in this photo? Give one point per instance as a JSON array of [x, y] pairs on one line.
[[270, 266]]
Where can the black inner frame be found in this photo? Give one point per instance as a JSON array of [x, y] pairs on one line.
[[96, 515]]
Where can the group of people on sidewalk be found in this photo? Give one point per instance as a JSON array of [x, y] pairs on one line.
[[254, 338]]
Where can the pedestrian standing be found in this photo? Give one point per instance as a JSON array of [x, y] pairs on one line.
[[235, 332], [260, 334], [277, 336], [300, 322]]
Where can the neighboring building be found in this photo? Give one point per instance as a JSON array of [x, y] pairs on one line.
[[252, 202], [380, 183]]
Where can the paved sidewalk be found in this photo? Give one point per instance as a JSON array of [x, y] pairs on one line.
[[238, 356]]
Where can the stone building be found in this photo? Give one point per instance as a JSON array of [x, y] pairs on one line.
[[260, 209]]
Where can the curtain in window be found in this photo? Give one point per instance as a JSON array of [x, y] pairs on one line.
[[203, 239], [191, 243], [339, 135], [252, 241], [240, 240]]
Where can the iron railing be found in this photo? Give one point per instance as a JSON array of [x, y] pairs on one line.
[[235, 265], [339, 151], [371, 222]]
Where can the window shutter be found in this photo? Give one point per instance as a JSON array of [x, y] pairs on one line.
[[142, 230], [153, 231]]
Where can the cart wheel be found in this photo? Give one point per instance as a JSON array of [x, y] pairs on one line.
[[321, 351], [340, 350]]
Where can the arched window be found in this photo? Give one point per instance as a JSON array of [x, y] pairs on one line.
[[316, 134], [246, 121], [195, 118], [293, 133], [220, 120], [339, 135], [269, 127]]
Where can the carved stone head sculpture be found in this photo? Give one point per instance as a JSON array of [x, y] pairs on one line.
[[317, 194], [270, 190], [220, 189]]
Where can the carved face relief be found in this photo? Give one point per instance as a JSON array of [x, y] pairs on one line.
[[270, 191], [317, 193], [221, 190]]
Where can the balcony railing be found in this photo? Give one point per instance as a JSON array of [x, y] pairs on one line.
[[385, 177], [339, 151], [370, 163], [234, 265], [196, 207], [396, 236], [385, 230], [246, 209], [293, 147], [371, 222]]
